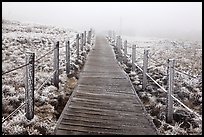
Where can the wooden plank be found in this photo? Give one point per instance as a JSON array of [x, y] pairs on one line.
[[106, 105], [107, 124], [105, 95], [107, 111], [104, 101], [106, 88], [107, 108], [100, 129], [114, 119]]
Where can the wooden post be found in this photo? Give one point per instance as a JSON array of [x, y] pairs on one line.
[[77, 45], [117, 43], [120, 43], [119, 48], [145, 64], [170, 73], [82, 41], [67, 58], [56, 65], [125, 51], [88, 37], [29, 86], [133, 57], [125, 47]]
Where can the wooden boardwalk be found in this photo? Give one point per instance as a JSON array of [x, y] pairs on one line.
[[104, 101]]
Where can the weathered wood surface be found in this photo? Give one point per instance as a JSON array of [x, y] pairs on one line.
[[104, 101]]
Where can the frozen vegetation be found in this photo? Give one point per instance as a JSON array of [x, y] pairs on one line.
[[19, 38], [188, 62]]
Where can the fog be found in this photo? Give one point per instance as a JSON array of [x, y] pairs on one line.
[[154, 19]]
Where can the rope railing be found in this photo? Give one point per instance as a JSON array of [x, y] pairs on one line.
[[45, 54], [15, 69], [70, 43], [14, 112], [162, 64], [27, 63], [190, 110], [155, 61], [170, 77], [50, 51], [137, 47], [180, 72], [45, 81], [30, 71], [35, 60]]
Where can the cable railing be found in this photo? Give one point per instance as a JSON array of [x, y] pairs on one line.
[[19, 67], [50, 51], [162, 64], [38, 89], [170, 71], [27, 63], [14, 112], [184, 73], [22, 105], [190, 110], [70, 42], [30, 65], [177, 70]]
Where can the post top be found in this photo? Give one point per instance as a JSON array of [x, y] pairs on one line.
[[29, 52], [171, 59]]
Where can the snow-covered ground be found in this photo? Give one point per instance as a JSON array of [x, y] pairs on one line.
[[188, 60], [19, 38]]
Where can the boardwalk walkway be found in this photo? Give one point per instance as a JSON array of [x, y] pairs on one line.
[[104, 101]]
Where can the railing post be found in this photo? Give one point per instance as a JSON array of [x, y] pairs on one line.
[[125, 52], [89, 37], [29, 86], [56, 65], [170, 73], [67, 58], [133, 57], [145, 64], [117, 42], [119, 49], [82, 41], [77, 45]]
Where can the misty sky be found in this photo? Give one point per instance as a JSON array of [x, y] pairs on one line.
[[163, 19]]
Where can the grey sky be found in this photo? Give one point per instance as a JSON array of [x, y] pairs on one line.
[[172, 19]]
